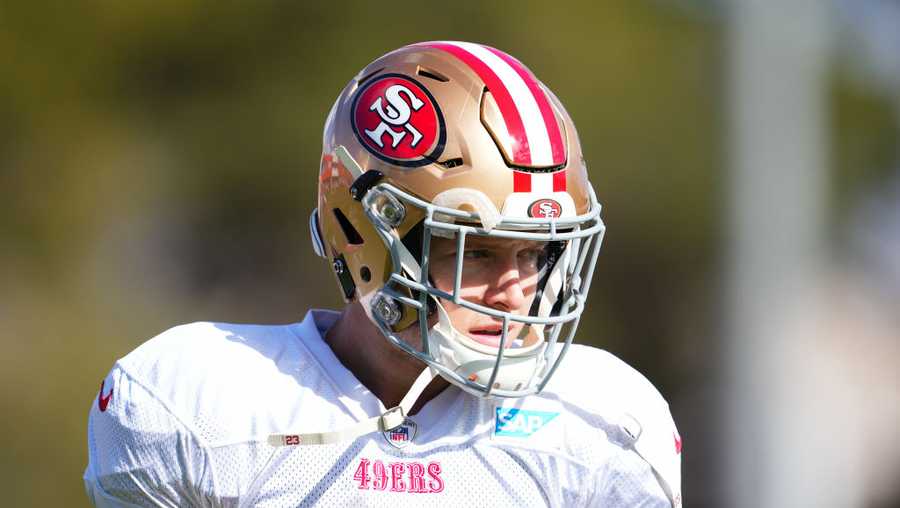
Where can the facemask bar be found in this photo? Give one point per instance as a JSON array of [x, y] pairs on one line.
[[583, 233]]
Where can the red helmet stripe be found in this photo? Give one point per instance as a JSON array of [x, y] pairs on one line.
[[559, 181], [506, 104], [558, 151], [521, 181]]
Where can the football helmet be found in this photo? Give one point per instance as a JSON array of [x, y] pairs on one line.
[[456, 140]]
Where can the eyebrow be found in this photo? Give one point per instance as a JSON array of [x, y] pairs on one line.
[[501, 243]]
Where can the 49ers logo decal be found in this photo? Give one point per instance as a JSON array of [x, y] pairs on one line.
[[545, 209], [398, 120]]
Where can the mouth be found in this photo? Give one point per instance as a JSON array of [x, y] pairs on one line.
[[490, 335]]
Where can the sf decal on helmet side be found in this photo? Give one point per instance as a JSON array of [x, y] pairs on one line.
[[398, 120]]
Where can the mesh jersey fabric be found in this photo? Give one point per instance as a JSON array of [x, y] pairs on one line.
[[187, 415]]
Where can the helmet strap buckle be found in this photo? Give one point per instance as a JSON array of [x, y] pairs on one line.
[[392, 418]]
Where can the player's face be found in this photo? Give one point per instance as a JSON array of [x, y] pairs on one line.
[[498, 273]]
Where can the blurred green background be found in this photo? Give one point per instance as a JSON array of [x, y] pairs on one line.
[[158, 165]]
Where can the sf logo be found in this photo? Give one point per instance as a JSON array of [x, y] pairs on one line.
[[397, 120], [546, 208], [395, 114]]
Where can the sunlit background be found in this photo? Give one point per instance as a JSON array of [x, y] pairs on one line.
[[158, 165]]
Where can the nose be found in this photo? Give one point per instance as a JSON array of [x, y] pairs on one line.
[[506, 292]]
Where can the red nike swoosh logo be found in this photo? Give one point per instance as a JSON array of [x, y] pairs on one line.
[[102, 401], [676, 436]]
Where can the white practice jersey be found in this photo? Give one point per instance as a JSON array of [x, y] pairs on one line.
[[184, 420]]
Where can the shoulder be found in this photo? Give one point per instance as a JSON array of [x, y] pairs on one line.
[[598, 381], [166, 407], [208, 343], [602, 392], [222, 379], [196, 353]]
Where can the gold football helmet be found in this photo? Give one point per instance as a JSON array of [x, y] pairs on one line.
[[457, 140]]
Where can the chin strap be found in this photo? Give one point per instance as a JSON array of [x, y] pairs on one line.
[[391, 418]]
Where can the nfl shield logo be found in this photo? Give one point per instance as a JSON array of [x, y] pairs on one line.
[[401, 435]]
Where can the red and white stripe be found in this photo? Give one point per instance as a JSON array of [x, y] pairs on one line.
[[541, 183], [536, 139]]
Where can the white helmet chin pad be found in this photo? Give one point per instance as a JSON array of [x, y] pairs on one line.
[[476, 362]]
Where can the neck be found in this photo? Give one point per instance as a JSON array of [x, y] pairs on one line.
[[384, 369]]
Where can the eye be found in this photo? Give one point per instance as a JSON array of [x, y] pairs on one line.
[[533, 258], [531, 254], [476, 254]]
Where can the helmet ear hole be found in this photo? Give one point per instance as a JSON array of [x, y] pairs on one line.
[[365, 274]]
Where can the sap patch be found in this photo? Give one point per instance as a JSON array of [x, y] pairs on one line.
[[515, 422]]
